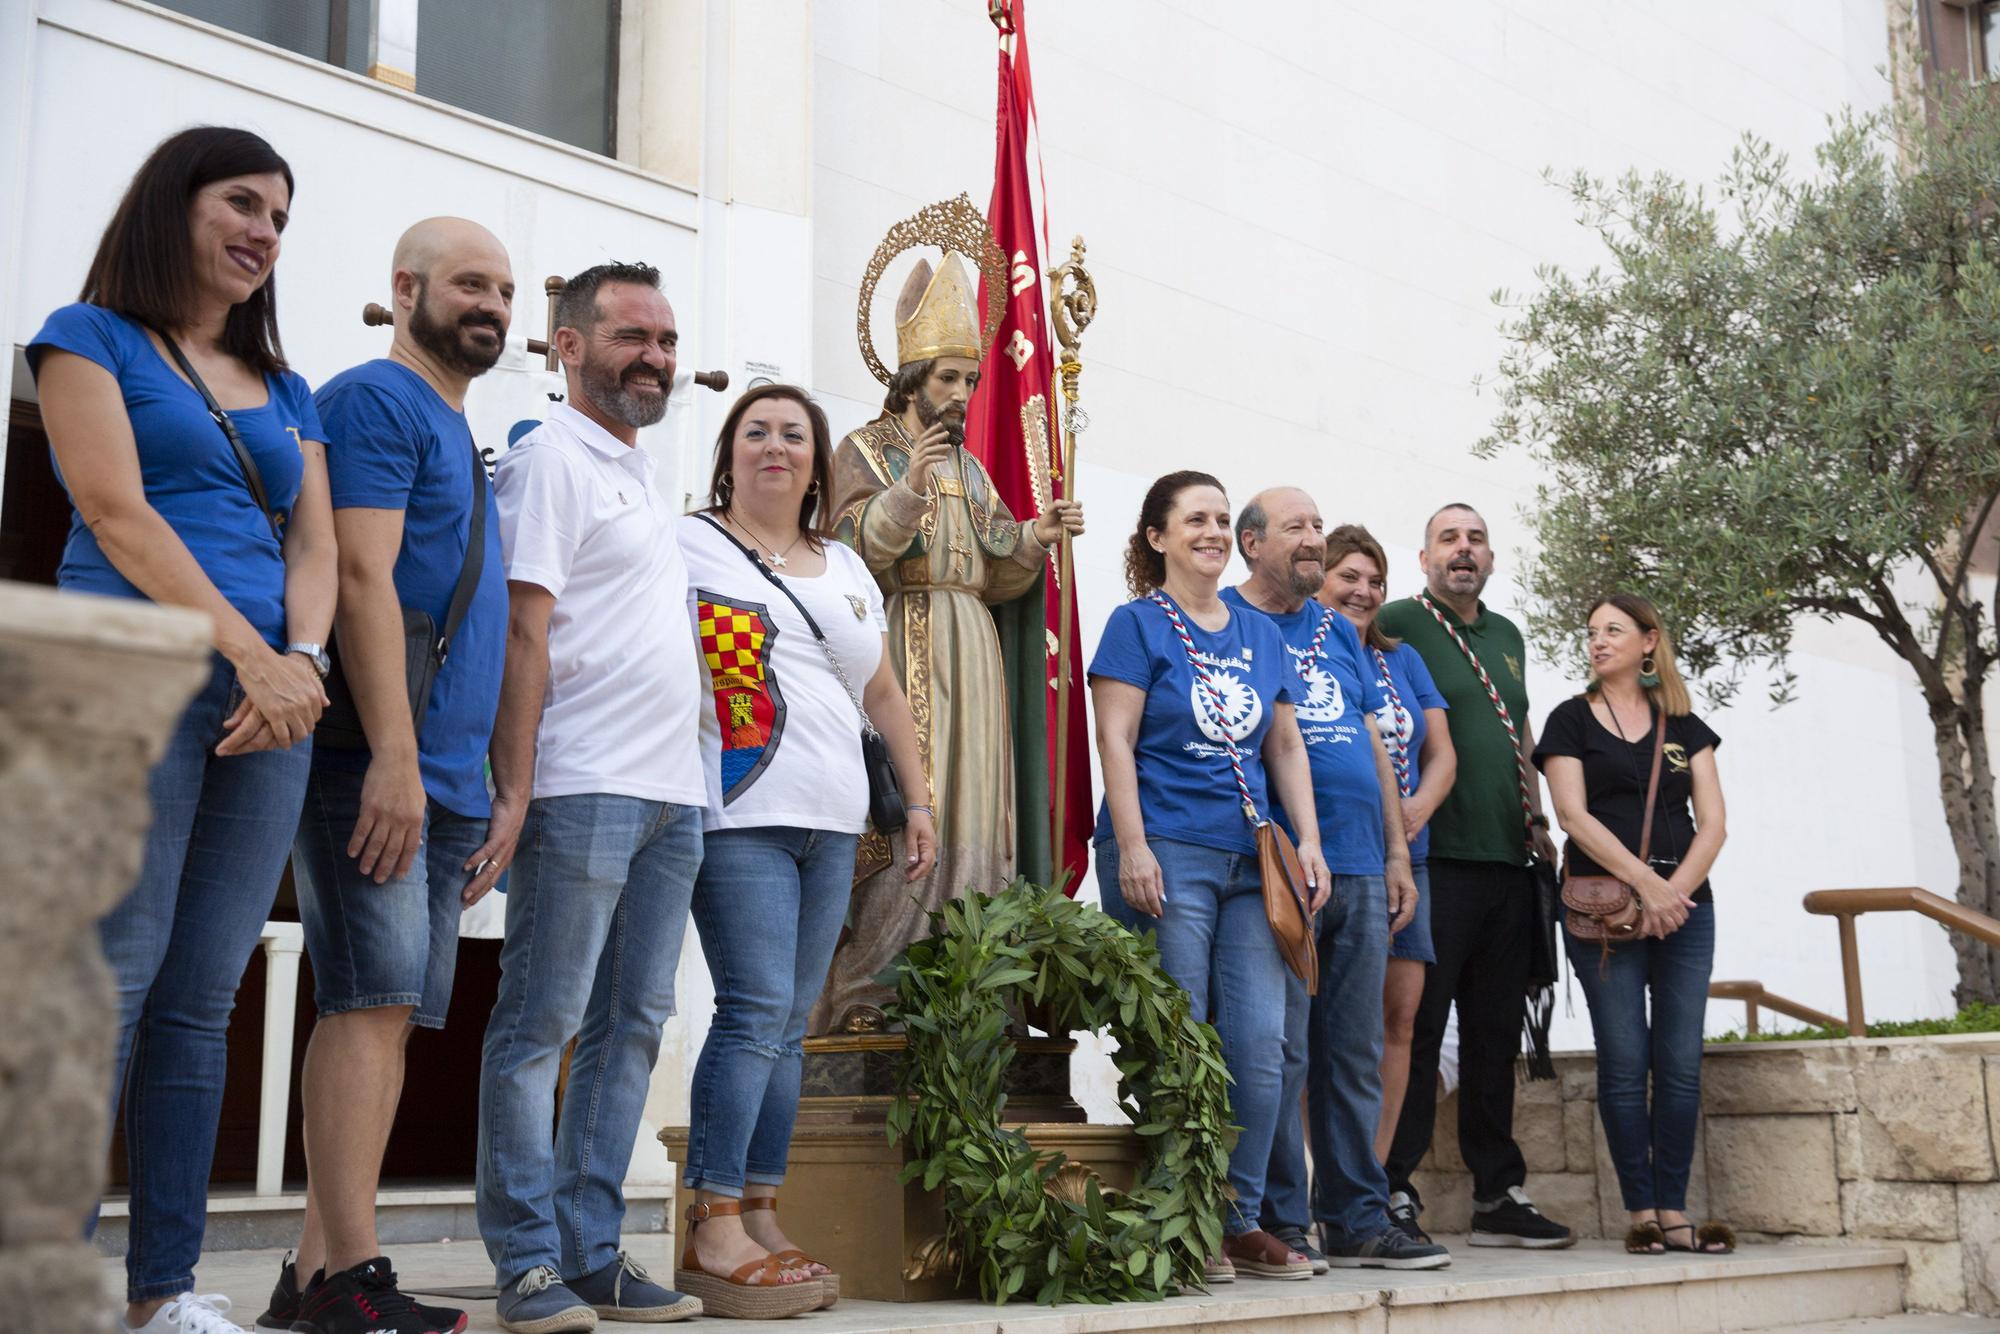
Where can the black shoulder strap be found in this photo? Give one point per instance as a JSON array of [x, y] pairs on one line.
[[765, 570], [243, 459], [475, 557]]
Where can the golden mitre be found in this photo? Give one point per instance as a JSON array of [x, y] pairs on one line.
[[936, 315]]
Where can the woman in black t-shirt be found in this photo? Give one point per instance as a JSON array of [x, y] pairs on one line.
[[1596, 750]]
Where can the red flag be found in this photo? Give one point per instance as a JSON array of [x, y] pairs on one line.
[[1011, 427]]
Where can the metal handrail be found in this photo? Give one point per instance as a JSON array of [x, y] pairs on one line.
[[1753, 995], [1844, 905]]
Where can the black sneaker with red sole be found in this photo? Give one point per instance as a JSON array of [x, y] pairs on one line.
[[366, 1300]]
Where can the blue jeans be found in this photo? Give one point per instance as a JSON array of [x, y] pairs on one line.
[[373, 945], [769, 904], [1652, 1148], [1414, 940], [1215, 943], [596, 908], [177, 946]]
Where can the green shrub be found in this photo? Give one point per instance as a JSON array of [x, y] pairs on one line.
[[1974, 1018]]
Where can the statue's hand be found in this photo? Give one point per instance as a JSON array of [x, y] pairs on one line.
[[919, 846], [932, 448], [1062, 516]]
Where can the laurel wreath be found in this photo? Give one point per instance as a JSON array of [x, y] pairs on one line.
[[1007, 1213]]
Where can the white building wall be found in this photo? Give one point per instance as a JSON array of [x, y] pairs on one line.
[[1297, 213]]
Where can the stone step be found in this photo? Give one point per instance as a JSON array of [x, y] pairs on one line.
[[1591, 1288], [1909, 1323], [239, 1220]]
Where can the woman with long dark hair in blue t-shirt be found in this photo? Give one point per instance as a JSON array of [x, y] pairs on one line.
[[179, 297], [1175, 853]]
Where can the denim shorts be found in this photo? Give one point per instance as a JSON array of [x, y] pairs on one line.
[[1414, 940], [373, 945]]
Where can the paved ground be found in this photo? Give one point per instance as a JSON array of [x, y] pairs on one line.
[[246, 1277]]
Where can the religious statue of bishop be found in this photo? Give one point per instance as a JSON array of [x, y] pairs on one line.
[[923, 514]]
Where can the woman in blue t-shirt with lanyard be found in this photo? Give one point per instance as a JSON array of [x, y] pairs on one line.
[[193, 458], [1193, 705]]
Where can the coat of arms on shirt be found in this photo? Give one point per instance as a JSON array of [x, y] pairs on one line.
[[860, 606], [1513, 665], [736, 639]]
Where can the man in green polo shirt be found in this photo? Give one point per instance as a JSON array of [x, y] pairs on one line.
[[1482, 894]]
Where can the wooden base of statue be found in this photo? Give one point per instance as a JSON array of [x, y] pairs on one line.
[[841, 1202]]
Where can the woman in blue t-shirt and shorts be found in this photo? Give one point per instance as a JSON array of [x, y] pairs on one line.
[[1413, 729], [1175, 853], [179, 295]]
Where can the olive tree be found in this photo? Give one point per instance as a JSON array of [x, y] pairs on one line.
[[1778, 398]]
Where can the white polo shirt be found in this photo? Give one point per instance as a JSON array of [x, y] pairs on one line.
[[582, 515]]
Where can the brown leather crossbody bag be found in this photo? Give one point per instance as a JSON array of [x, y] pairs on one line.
[[1604, 908]]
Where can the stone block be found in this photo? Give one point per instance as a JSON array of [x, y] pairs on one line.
[[1979, 1234], [1447, 1198], [1993, 1103], [1538, 1125], [1611, 1216], [1914, 1210], [1579, 1083], [1847, 1146], [1444, 1155], [1754, 1081], [1580, 1137], [1569, 1198], [1774, 1173], [1935, 1278], [1923, 1115]]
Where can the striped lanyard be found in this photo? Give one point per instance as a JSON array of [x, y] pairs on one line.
[[1398, 744], [1499, 706], [1211, 702]]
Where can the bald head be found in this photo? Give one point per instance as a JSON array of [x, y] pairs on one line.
[[454, 297], [1283, 541]]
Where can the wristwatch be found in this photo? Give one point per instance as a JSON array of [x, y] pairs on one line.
[[314, 654]]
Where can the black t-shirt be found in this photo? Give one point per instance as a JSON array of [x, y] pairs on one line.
[[1614, 782]]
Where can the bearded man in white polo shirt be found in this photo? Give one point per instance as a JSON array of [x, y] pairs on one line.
[[597, 775]]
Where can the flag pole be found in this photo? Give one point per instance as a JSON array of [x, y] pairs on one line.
[[1072, 306]]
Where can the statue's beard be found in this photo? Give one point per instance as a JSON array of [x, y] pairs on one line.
[[930, 414]]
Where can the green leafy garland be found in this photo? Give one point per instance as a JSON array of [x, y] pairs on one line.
[[952, 996]]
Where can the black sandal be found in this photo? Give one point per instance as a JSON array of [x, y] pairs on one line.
[[1645, 1239], [1709, 1239]]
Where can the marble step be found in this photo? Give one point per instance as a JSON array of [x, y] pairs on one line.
[[1909, 1323], [1589, 1289]]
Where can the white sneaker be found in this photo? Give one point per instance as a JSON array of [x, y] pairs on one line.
[[191, 1314]]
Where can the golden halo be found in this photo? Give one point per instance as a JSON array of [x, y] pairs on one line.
[[949, 224]]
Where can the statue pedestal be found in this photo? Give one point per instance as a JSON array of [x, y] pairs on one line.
[[841, 1203]]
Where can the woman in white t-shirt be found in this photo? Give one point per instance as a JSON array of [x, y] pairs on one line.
[[787, 804]]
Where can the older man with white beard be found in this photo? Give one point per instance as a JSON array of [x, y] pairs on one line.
[[1333, 1044]]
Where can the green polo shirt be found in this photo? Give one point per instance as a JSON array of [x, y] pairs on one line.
[[1480, 821]]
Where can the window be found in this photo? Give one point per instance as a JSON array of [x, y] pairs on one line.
[[1989, 41], [547, 68], [551, 69]]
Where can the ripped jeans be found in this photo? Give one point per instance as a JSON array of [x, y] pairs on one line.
[[768, 904]]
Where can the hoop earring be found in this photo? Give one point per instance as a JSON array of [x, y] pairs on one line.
[[1649, 672], [813, 489], [725, 487]]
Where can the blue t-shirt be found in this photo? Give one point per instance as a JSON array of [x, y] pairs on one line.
[[1186, 790], [1346, 792], [1401, 719], [393, 444], [190, 473]]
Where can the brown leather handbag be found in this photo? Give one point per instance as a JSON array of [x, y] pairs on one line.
[[1287, 899], [1604, 908]]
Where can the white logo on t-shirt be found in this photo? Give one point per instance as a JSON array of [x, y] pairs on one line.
[[1395, 722], [1241, 709], [1323, 702]]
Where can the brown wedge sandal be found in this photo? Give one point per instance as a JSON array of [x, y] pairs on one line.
[[794, 1258], [758, 1290]]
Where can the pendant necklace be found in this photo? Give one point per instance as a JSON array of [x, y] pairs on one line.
[[776, 557]]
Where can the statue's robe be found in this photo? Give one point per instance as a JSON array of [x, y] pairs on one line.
[[940, 557]]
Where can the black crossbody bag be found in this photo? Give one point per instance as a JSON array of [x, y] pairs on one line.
[[885, 794], [424, 646]]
